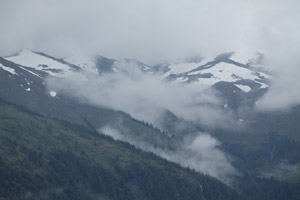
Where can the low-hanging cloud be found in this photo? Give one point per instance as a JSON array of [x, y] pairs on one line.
[[144, 96], [284, 93], [147, 30], [162, 30], [201, 153], [279, 30], [285, 63]]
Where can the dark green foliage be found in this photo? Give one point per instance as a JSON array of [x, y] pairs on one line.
[[266, 141], [269, 188], [42, 158]]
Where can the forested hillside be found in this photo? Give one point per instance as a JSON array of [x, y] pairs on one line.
[[43, 158]]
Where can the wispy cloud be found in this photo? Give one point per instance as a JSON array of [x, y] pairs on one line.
[[161, 30], [147, 30], [146, 97], [201, 153]]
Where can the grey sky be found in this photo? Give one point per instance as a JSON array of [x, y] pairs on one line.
[[149, 30], [159, 30]]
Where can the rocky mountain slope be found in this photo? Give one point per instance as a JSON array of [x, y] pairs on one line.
[[257, 146]]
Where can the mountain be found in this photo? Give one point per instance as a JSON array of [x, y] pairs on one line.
[[25, 84], [234, 80], [43, 158], [26, 73], [209, 71], [263, 148], [206, 71], [238, 83]]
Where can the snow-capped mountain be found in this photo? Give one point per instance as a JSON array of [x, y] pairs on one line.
[[237, 82], [201, 72], [207, 72]]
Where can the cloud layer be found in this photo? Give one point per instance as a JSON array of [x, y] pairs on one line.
[[148, 30], [161, 30], [144, 96], [201, 153]]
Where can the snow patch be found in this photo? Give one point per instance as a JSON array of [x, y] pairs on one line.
[[263, 85], [229, 73], [8, 69], [31, 72], [245, 88], [28, 89], [45, 64], [52, 94]]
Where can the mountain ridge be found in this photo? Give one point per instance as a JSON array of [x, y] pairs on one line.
[[47, 158]]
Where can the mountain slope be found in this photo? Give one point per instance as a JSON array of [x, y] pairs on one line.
[[238, 84], [206, 72], [43, 158], [27, 87], [258, 146]]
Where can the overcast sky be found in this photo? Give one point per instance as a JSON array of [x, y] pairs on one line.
[[148, 29], [160, 30]]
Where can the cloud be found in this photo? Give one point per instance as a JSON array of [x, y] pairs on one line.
[[146, 97], [113, 132], [160, 30], [281, 46], [143, 95], [201, 153], [284, 93], [208, 158], [143, 29], [155, 31]]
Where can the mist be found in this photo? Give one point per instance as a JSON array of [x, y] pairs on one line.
[[155, 32], [159, 31], [201, 153], [144, 96]]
